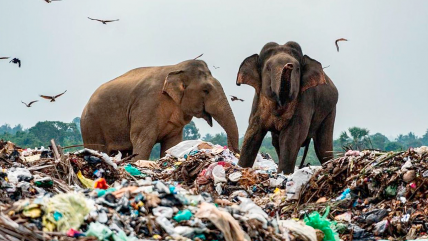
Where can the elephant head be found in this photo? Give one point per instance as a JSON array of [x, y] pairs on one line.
[[199, 94], [281, 72]]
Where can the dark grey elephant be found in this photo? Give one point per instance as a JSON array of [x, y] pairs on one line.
[[294, 100], [152, 105]]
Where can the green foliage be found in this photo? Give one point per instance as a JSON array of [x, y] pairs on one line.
[[7, 129], [393, 146], [190, 132], [424, 139], [219, 139], [409, 140], [64, 134], [359, 139], [379, 141], [76, 121]]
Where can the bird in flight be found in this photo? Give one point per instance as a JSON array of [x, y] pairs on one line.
[[233, 98], [337, 40], [103, 21], [326, 67], [4, 57], [49, 1], [52, 98], [16, 61], [215, 67], [29, 104]]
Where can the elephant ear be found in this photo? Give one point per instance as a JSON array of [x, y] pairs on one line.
[[248, 73], [312, 74], [174, 86]]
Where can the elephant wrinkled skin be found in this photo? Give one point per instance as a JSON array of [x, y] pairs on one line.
[[294, 100], [151, 105]]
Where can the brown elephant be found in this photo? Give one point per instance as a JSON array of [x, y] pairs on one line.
[[151, 105], [294, 100]]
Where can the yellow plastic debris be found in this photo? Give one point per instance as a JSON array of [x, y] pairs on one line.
[[32, 211], [73, 208], [88, 183]]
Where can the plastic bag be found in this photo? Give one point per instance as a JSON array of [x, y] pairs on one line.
[[18, 174], [297, 180], [183, 215], [88, 183], [166, 225], [163, 211], [219, 174], [265, 164], [223, 221], [298, 229], [132, 170], [72, 206], [183, 148], [317, 221]]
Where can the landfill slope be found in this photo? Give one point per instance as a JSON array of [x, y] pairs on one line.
[[197, 192]]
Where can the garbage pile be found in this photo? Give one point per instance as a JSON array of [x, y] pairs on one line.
[[196, 192], [371, 195]]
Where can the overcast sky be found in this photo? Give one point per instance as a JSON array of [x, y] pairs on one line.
[[380, 72]]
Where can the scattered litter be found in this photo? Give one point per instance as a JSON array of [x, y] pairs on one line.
[[197, 192]]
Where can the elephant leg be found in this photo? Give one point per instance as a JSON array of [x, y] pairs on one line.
[[289, 149], [142, 144], [275, 143], [323, 140], [170, 142], [252, 142]]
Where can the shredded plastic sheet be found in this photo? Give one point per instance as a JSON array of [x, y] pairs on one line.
[[223, 221], [72, 207], [298, 229]]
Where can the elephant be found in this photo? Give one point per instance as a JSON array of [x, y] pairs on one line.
[[152, 105], [294, 100]]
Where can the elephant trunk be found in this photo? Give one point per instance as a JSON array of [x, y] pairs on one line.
[[222, 113], [288, 86]]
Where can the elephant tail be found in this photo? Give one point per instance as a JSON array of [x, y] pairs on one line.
[[304, 154]]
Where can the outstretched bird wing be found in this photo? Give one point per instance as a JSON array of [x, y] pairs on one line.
[[56, 96], [95, 19], [108, 21], [19, 63], [4, 57], [46, 97], [29, 104], [337, 40], [24, 103], [241, 100]]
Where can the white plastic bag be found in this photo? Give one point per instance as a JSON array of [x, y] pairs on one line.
[[183, 148], [219, 174], [297, 180], [265, 164]]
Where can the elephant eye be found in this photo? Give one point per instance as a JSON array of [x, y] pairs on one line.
[[206, 91]]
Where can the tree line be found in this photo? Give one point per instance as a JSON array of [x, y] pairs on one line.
[[67, 134]]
